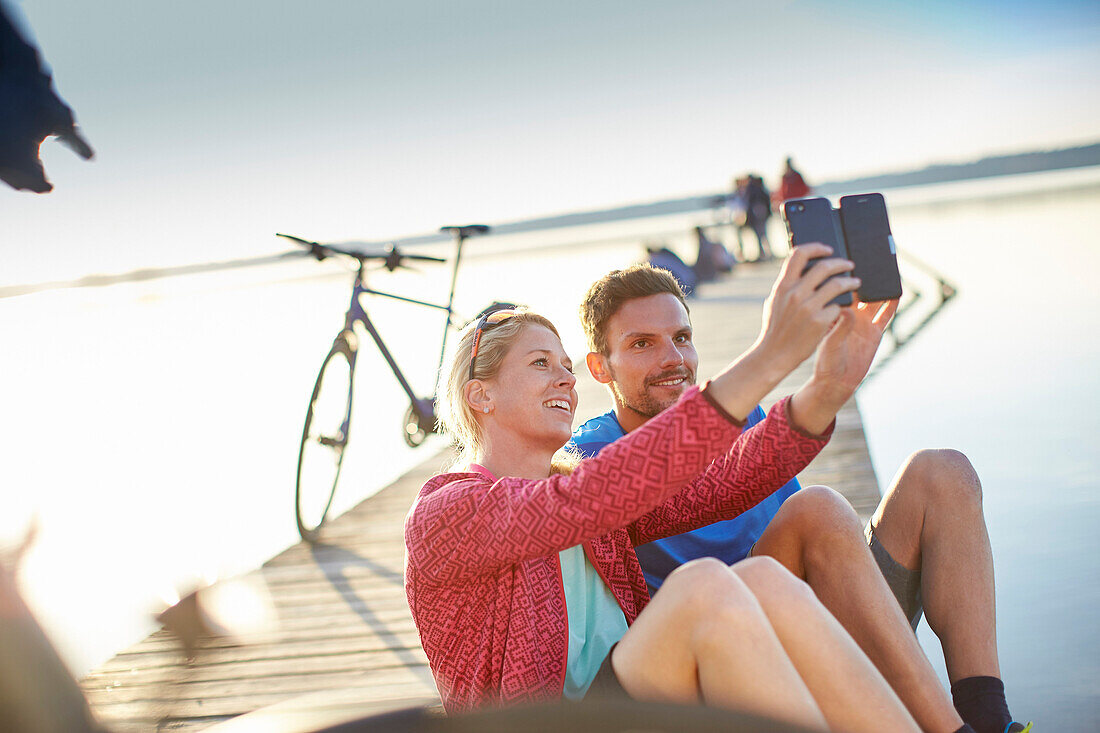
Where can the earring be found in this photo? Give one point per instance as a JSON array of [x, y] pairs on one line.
[[486, 410]]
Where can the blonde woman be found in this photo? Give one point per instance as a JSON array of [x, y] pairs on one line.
[[520, 568]]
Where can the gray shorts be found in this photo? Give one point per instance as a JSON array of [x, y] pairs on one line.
[[606, 685], [904, 583]]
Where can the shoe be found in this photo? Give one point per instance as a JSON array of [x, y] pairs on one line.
[[1015, 727]]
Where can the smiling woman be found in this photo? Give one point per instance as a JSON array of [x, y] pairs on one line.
[[525, 410], [540, 365], [521, 572]]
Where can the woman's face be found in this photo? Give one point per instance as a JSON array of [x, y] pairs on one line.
[[533, 395]]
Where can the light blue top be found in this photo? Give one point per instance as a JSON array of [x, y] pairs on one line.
[[729, 540], [596, 621]]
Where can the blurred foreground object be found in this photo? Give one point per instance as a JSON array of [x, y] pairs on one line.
[[30, 111], [37, 692], [588, 716], [236, 609], [38, 695]]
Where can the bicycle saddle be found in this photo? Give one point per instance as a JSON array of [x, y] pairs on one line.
[[469, 230]]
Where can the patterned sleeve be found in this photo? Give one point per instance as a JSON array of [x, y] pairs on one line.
[[761, 460], [462, 525]]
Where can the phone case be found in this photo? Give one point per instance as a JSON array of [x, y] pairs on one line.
[[871, 246], [815, 220]]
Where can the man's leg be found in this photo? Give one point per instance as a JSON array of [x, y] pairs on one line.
[[817, 535], [763, 246], [931, 522], [739, 245]]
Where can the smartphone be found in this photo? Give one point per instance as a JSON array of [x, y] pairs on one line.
[[871, 246], [815, 220]]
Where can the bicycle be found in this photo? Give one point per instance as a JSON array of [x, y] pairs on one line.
[[328, 419]]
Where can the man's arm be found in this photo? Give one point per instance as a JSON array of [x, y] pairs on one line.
[[842, 362]]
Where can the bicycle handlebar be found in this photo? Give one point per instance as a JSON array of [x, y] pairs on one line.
[[392, 257]]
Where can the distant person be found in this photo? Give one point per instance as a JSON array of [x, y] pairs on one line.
[[737, 206], [711, 258], [758, 209], [664, 258], [749, 205], [792, 185], [30, 111]]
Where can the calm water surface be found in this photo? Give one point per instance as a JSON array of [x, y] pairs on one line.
[[153, 428], [1008, 373]]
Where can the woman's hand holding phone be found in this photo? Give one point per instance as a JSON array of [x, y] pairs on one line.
[[800, 309], [797, 316]]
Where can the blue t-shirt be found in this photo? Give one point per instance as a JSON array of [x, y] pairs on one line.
[[729, 540]]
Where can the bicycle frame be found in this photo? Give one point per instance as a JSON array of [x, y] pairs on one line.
[[356, 313]]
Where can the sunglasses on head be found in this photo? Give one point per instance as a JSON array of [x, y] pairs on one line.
[[487, 321]]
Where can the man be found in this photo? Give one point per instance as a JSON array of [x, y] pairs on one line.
[[927, 537], [758, 211]]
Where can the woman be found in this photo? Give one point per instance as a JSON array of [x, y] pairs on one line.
[[520, 568]]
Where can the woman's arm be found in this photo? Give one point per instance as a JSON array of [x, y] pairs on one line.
[[760, 461], [467, 525]]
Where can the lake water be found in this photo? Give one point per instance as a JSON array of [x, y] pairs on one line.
[[152, 428], [1008, 373]]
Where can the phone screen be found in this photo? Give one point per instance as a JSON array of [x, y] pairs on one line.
[[815, 220], [871, 246]]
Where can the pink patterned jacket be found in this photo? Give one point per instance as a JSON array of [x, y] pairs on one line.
[[482, 573]]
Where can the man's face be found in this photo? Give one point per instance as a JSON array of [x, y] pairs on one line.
[[651, 359]]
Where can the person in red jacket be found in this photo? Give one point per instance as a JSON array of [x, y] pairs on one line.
[[520, 569], [792, 185]]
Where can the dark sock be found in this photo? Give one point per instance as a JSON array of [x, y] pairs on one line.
[[981, 703], [965, 729]]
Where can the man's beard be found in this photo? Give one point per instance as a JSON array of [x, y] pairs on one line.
[[646, 404]]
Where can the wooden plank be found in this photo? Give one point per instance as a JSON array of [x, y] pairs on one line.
[[276, 666], [167, 713], [199, 689], [148, 667]]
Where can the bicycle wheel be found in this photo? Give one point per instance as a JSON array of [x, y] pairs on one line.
[[418, 423], [324, 439]]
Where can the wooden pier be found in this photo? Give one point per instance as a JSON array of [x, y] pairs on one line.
[[345, 643]]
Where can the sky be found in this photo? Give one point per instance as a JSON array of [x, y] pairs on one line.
[[217, 124]]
